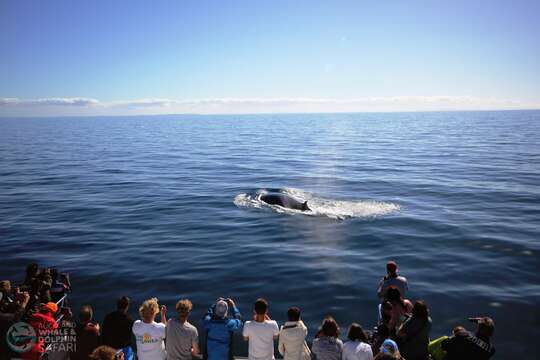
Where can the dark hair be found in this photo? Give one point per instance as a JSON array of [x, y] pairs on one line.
[[394, 295], [330, 327], [391, 267], [420, 310], [357, 333], [386, 357], [123, 303], [383, 331], [459, 330], [486, 327], [293, 314], [86, 313], [32, 270], [261, 306]]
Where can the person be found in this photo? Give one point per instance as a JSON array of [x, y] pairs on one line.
[[464, 345], [105, 352], [32, 283], [149, 334], [12, 309], [378, 338], [392, 279], [117, 326], [43, 322], [44, 283], [435, 346], [219, 328], [389, 350], [401, 308], [60, 284], [31, 276], [385, 313], [327, 345], [261, 332], [182, 337], [87, 333], [413, 335], [292, 337], [357, 348]]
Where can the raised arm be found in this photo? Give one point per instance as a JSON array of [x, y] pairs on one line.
[[235, 323], [163, 314], [22, 301], [380, 292], [208, 316]]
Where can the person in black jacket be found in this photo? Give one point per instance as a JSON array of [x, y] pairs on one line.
[[464, 345], [117, 325], [87, 334], [413, 336]]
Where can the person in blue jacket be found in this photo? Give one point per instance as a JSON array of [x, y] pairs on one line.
[[219, 328]]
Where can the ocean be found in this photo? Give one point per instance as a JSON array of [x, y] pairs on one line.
[[166, 206]]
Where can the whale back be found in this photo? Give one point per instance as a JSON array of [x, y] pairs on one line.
[[284, 201]]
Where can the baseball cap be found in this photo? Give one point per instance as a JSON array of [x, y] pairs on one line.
[[389, 347], [50, 307]]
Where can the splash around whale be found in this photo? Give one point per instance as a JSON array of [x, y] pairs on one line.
[[291, 201]]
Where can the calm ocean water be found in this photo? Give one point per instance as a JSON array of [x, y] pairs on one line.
[[160, 206]]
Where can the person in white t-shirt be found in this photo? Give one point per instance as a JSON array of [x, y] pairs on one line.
[[149, 335], [261, 333], [357, 348]]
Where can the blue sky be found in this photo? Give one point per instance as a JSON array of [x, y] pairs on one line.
[[131, 57]]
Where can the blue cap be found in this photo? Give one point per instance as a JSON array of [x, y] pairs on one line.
[[389, 347]]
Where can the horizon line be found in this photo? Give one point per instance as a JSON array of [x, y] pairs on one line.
[[2, 117], [83, 106]]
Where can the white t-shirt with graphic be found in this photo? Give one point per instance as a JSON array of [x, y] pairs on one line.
[[261, 339], [149, 339]]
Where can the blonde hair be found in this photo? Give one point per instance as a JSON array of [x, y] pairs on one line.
[[102, 353], [149, 308], [184, 306]]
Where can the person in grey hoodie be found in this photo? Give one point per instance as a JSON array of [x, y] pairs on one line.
[[292, 337], [327, 345]]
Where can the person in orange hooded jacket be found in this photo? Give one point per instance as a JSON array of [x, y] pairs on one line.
[[43, 323]]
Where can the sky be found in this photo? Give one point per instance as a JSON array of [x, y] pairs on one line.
[[156, 57]]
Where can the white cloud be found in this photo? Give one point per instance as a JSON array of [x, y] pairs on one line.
[[75, 101], [89, 106]]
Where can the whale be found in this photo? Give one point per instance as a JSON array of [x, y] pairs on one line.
[[285, 201]]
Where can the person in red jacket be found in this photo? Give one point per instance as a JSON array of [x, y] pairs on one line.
[[43, 323]]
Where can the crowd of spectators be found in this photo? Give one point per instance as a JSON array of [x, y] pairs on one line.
[[402, 331], [34, 301]]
